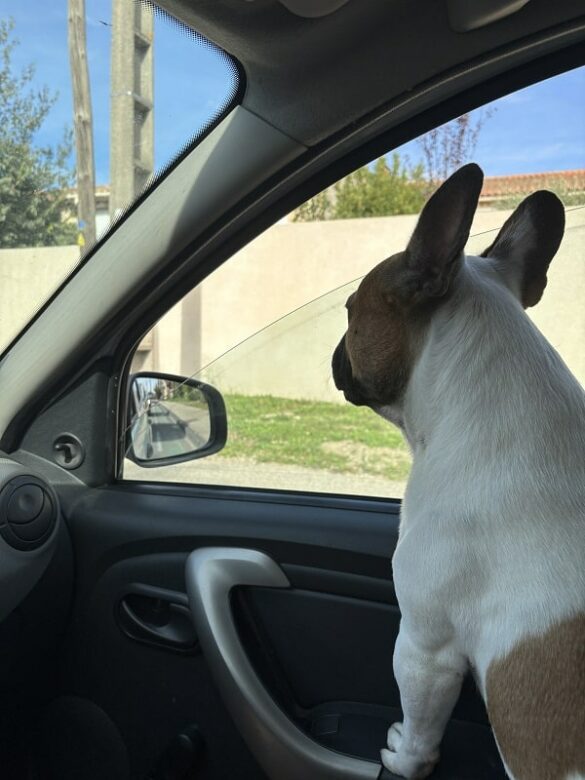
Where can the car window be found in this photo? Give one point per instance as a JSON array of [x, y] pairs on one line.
[[262, 328], [78, 145]]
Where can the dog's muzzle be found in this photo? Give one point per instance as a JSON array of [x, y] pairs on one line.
[[343, 376]]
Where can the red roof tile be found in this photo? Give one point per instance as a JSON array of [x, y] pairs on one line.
[[500, 186]]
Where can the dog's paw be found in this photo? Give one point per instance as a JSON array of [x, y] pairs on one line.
[[401, 762], [394, 737]]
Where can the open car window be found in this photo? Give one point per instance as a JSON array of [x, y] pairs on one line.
[[262, 328], [288, 426]]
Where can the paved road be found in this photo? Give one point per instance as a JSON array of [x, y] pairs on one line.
[[179, 428], [236, 472], [171, 428]]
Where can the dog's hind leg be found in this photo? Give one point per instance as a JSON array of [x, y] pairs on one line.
[[429, 684]]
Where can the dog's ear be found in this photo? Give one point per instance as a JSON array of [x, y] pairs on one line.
[[435, 251], [527, 243]]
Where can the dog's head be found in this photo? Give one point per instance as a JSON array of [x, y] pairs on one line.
[[390, 312]]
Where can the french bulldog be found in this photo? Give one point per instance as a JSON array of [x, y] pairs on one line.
[[489, 568]]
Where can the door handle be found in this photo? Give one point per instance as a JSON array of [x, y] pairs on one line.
[[157, 616], [281, 748]]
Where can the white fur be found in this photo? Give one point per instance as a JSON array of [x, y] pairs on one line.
[[492, 535]]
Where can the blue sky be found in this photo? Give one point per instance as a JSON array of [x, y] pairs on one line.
[[541, 128], [191, 81]]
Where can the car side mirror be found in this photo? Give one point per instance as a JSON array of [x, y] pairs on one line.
[[172, 419]]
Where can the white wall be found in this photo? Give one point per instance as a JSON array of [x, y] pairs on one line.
[[291, 264], [284, 268], [27, 279]]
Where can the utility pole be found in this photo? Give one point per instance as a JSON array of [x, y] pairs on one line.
[[85, 166], [131, 118]]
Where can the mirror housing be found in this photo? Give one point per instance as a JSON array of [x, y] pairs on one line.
[[172, 419]]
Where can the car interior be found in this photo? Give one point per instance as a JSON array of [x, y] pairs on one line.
[[171, 630]]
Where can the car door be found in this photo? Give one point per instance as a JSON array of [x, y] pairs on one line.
[[228, 624], [294, 608]]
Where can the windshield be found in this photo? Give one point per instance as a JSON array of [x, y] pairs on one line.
[[96, 99]]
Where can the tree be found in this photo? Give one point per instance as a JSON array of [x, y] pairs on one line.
[[379, 191], [315, 209], [33, 180], [450, 146]]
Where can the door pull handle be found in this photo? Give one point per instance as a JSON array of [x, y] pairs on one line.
[[157, 617]]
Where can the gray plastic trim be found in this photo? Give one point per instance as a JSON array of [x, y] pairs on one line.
[[313, 9], [465, 16], [282, 749]]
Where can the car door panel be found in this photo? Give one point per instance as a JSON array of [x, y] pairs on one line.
[[150, 693], [322, 647], [30, 653]]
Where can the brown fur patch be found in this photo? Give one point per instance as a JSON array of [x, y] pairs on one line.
[[536, 703], [383, 331]]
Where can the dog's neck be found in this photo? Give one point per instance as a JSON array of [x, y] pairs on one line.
[[485, 375]]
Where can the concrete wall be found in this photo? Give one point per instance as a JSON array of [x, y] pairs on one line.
[[278, 273], [27, 278], [560, 314], [291, 264]]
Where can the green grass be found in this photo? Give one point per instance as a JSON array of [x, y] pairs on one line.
[[314, 434]]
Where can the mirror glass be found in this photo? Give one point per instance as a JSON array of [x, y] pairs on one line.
[[169, 418]]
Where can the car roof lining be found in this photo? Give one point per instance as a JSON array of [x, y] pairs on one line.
[[362, 56]]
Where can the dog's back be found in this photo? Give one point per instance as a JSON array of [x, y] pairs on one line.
[[516, 502]]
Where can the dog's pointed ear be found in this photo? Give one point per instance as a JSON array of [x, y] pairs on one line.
[[435, 251], [527, 243]]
